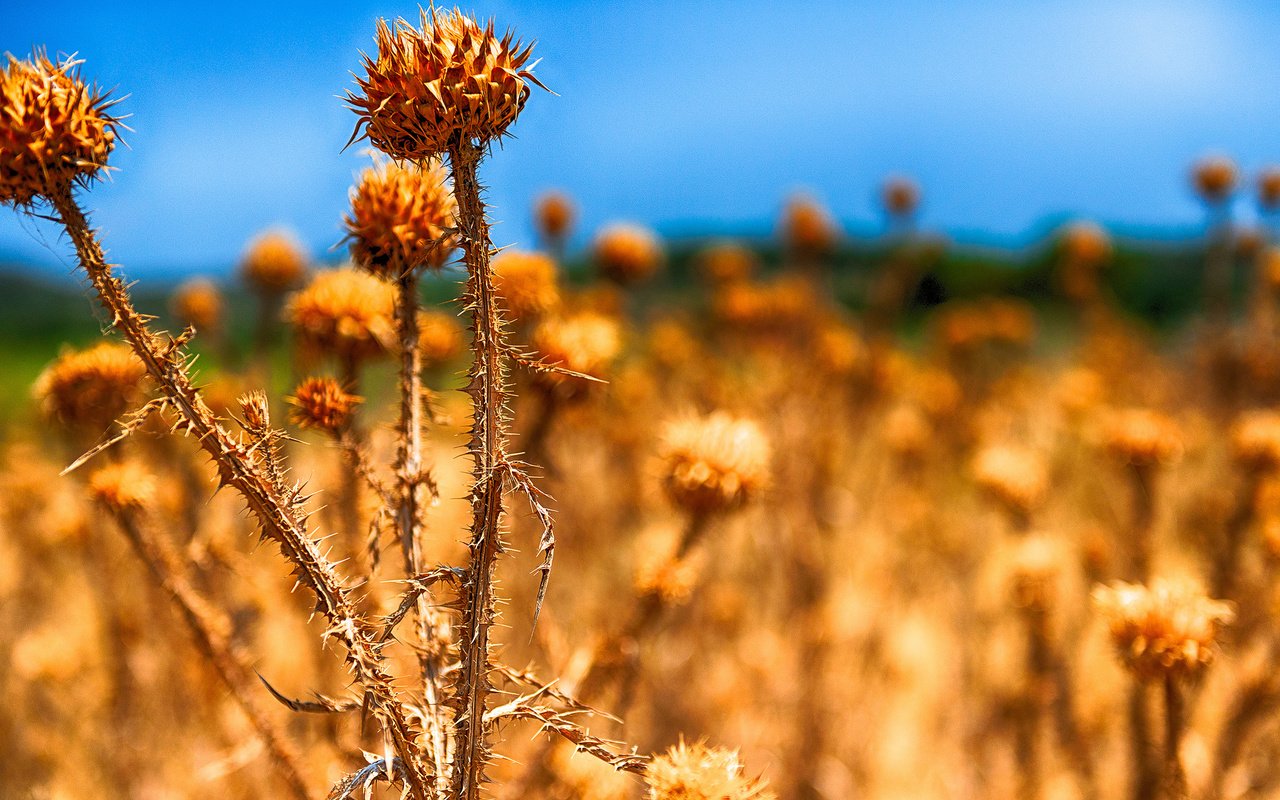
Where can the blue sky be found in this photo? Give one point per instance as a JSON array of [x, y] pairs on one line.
[[688, 116]]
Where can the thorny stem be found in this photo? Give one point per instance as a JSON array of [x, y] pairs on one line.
[[351, 489], [166, 364], [1145, 775], [409, 504], [1142, 515], [1175, 778], [488, 450], [209, 630], [1227, 557]]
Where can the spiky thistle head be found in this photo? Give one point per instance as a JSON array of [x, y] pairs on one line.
[[553, 215], [449, 81], [807, 228], [1214, 178], [399, 218], [91, 388], [345, 312], [626, 253], [527, 281], [699, 772], [1143, 438], [197, 303], [1255, 440], [714, 463], [274, 261], [585, 342], [322, 404], [1269, 188], [440, 337], [1167, 629], [900, 196], [56, 131], [123, 486], [726, 263]]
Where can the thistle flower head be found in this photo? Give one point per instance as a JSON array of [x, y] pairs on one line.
[[585, 342], [198, 303], [714, 463], [322, 404], [399, 216], [1269, 188], [900, 196], [726, 263], [273, 262], [56, 131], [527, 281], [699, 772], [449, 81], [440, 337], [807, 228], [345, 312], [626, 253], [1167, 629], [1016, 478], [1214, 178], [553, 215], [90, 388], [123, 486], [1085, 243], [1036, 567], [1255, 440], [1143, 438]]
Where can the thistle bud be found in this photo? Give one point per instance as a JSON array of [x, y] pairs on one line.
[[699, 772], [627, 254], [273, 262]]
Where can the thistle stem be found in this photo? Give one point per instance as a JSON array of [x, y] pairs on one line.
[[488, 450]]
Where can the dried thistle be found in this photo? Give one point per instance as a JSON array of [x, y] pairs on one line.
[[1142, 438], [56, 130], [528, 283], [345, 312], [626, 253], [585, 343], [1255, 441], [90, 389], [699, 772], [1169, 628], [447, 81], [714, 463], [440, 337], [273, 262], [900, 197], [807, 229], [727, 262], [322, 404], [399, 218], [1016, 478], [1214, 179], [124, 486], [198, 303], [553, 216]]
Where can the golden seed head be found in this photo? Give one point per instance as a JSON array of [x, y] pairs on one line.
[[399, 216], [1269, 188], [1167, 629], [714, 463], [807, 228], [1085, 244], [585, 342], [198, 303], [1214, 178], [123, 486], [273, 262], [440, 337], [1255, 440], [449, 82], [321, 404], [900, 196], [1143, 438], [699, 772], [528, 283], [723, 263], [55, 130], [346, 312], [627, 254], [554, 214], [1016, 478], [90, 388], [1035, 569]]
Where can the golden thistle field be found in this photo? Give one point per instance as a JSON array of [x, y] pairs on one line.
[[449, 522]]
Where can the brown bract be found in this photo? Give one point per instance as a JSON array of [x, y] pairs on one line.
[[527, 282], [322, 404], [450, 81], [1167, 629], [344, 312], [90, 388], [699, 772], [714, 463], [399, 218], [627, 254], [55, 130], [273, 262]]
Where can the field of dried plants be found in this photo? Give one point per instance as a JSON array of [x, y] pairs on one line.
[[567, 538]]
